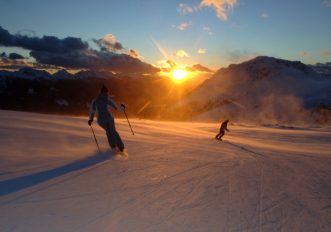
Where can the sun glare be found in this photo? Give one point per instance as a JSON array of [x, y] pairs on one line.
[[179, 74]]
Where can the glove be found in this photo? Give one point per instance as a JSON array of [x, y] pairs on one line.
[[90, 122], [123, 106]]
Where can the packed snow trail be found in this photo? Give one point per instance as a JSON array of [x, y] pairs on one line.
[[176, 177]]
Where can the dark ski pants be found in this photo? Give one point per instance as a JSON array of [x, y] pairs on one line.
[[114, 138], [220, 135]]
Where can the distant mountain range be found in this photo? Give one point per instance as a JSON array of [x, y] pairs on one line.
[[32, 74], [262, 90], [30, 89]]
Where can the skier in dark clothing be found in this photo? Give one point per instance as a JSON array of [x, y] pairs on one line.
[[100, 105], [223, 128]]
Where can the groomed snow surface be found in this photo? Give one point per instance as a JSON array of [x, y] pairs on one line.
[[177, 177]]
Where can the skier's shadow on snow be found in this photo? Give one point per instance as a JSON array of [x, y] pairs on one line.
[[19, 183]]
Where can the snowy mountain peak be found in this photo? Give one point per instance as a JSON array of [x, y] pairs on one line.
[[62, 74], [263, 89], [31, 73], [267, 67]]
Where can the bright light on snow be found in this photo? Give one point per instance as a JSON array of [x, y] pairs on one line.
[[177, 177]]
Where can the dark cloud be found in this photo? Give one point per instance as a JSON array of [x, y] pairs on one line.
[[15, 61], [15, 56], [74, 53], [92, 59], [11, 56], [133, 53], [8, 63], [109, 43], [46, 43]]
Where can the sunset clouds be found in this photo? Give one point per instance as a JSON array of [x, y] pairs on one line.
[[109, 43], [181, 53], [222, 7], [186, 9], [325, 53], [201, 51], [46, 43], [133, 53], [11, 56], [74, 53], [183, 26], [304, 54]]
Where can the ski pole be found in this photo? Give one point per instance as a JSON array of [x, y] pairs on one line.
[[95, 138], [128, 121]]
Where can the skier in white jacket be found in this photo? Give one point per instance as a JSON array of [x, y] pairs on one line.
[[100, 105]]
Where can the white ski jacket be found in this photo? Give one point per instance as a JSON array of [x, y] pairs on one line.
[[102, 105]]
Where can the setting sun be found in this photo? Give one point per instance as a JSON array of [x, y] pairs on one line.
[[179, 74]]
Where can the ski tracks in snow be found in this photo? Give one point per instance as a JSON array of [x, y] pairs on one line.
[[179, 179], [293, 190], [255, 159]]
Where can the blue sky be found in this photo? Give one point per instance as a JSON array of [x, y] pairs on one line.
[[294, 30]]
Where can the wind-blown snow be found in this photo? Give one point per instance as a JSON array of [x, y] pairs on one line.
[[176, 177], [263, 90]]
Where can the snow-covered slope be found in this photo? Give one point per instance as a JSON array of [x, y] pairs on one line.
[[265, 90], [176, 177]]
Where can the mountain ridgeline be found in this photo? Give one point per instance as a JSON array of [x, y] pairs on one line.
[[28, 89], [264, 90]]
